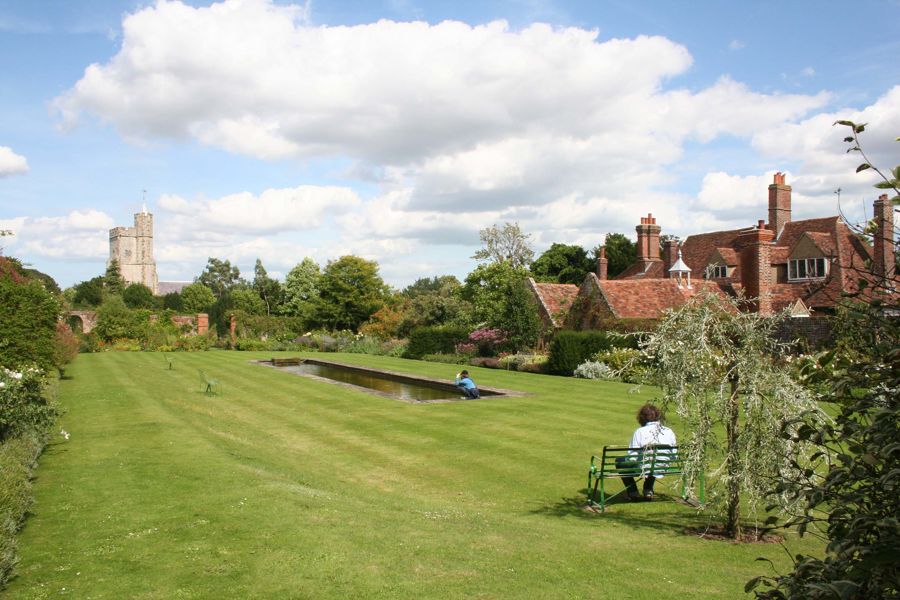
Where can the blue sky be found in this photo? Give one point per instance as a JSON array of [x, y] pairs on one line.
[[396, 130]]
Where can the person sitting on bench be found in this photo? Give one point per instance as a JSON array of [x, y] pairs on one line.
[[467, 386], [650, 433]]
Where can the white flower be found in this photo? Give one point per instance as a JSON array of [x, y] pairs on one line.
[[64, 433]]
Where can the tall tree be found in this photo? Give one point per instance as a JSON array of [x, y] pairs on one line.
[[112, 279], [505, 244], [268, 289], [138, 295], [88, 293], [487, 287], [301, 288], [562, 263], [197, 298], [718, 366], [219, 276], [350, 292], [518, 316]]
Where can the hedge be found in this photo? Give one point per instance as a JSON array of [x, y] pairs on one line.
[[435, 340], [571, 348]]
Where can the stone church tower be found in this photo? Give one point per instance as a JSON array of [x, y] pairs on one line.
[[132, 247]]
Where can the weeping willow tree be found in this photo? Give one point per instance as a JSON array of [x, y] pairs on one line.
[[719, 368]]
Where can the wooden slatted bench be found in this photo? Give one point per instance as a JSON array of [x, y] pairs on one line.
[[658, 460]]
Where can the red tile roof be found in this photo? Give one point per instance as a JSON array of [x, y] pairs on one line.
[[648, 298], [555, 299], [643, 269]]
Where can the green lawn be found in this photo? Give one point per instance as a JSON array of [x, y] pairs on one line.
[[285, 487]]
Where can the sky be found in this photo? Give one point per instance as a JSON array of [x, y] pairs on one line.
[[396, 130]]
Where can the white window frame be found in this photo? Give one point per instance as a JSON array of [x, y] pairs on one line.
[[716, 271], [803, 269]]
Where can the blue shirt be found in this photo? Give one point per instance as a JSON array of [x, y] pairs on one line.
[[466, 383]]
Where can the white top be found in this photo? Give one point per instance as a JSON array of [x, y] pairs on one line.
[[650, 434]]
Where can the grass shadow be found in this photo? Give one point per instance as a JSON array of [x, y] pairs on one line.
[[636, 515]]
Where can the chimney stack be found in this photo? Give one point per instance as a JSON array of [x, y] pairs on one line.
[[883, 261], [670, 255], [602, 264], [647, 239], [756, 266], [779, 204]]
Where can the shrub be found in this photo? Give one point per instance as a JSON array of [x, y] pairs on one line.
[[23, 406], [519, 362], [593, 369], [629, 364], [116, 321], [28, 323], [65, 346], [488, 340], [18, 457], [571, 348], [434, 340], [283, 329]]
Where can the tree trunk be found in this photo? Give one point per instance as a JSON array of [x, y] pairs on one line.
[[732, 464]]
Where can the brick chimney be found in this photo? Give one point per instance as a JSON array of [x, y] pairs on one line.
[[883, 262], [670, 255], [647, 239], [779, 204], [602, 264], [756, 266]]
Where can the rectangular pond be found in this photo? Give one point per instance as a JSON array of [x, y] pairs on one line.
[[394, 385]]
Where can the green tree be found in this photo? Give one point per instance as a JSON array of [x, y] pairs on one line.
[[268, 289], [505, 244], [112, 279], [301, 289], [431, 285], [719, 369], [88, 294], [197, 298], [219, 276], [247, 300], [138, 295], [562, 263], [350, 291], [518, 316], [172, 301], [620, 252], [486, 288]]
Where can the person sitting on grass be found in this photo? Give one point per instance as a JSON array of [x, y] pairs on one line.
[[650, 433], [466, 385]]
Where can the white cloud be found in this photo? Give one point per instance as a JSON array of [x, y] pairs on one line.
[[272, 211], [11, 163], [462, 126], [736, 45], [77, 236]]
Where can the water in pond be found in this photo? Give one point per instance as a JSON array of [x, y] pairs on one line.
[[385, 383]]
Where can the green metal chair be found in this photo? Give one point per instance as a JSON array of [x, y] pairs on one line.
[[209, 384]]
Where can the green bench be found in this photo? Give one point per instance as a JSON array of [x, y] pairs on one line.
[[656, 460], [209, 384]]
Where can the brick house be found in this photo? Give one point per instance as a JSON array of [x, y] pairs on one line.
[[802, 265]]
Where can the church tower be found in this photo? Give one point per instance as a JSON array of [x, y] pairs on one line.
[[132, 247]]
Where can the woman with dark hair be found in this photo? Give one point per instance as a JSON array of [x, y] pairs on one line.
[[650, 433]]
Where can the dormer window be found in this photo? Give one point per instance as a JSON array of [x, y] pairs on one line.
[[716, 271], [807, 268]]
